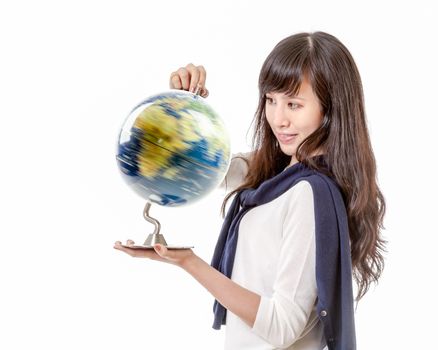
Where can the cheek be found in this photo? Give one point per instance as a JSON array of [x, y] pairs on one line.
[[316, 123], [268, 118], [310, 122]]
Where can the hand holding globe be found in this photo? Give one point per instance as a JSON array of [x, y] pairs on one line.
[[190, 78]]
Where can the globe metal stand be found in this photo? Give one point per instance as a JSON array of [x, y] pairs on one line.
[[156, 237]]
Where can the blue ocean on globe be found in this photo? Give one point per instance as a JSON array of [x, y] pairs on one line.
[[173, 148]]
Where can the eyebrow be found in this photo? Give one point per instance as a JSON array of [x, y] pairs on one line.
[[296, 97]]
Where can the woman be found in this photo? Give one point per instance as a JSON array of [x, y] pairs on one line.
[[307, 211]]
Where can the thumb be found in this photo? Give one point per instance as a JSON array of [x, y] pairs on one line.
[[204, 92], [161, 250]]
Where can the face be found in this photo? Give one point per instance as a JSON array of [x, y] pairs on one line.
[[292, 119]]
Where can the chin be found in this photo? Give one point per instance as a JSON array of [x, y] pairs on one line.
[[288, 151]]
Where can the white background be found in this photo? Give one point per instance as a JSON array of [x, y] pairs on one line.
[[69, 74]]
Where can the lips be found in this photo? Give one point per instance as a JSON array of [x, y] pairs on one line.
[[286, 138]]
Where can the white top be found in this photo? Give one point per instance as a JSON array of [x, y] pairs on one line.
[[275, 258]]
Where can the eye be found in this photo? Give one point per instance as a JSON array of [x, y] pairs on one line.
[[268, 99], [294, 105]]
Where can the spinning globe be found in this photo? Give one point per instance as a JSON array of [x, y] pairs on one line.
[[173, 149]]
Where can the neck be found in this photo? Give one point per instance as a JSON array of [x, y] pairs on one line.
[[293, 161]]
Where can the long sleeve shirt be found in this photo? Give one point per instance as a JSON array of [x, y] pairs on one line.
[[275, 258]]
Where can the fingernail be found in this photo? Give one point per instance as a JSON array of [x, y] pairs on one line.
[[197, 90]]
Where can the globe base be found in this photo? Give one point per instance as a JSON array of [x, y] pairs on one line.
[[155, 238], [145, 247]]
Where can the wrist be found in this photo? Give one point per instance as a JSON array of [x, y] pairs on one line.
[[189, 262]]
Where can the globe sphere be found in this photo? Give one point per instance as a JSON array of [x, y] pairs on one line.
[[173, 149]]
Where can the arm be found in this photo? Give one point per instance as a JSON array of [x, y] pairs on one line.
[[283, 316], [236, 172], [279, 318], [232, 296]]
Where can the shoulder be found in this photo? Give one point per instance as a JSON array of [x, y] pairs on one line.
[[302, 190], [330, 207], [241, 158], [325, 188], [302, 187], [237, 171], [299, 200], [299, 213]]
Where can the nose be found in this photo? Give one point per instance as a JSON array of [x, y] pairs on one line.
[[280, 119]]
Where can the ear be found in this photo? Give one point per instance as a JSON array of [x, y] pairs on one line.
[[325, 124]]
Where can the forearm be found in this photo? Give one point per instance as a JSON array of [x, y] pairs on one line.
[[232, 296]]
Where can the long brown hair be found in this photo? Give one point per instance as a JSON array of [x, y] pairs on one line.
[[343, 135]]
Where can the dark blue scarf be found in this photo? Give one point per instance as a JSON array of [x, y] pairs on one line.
[[333, 256]]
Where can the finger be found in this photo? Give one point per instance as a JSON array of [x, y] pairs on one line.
[[139, 253], [184, 75], [204, 93], [162, 251], [201, 91], [130, 242], [198, 89], [175, 81], [202, 80], [129, 251], [202, 75], [118, 245], [166, 254], [194, 76]]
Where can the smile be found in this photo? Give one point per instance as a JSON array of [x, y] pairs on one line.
[[286, 138]]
